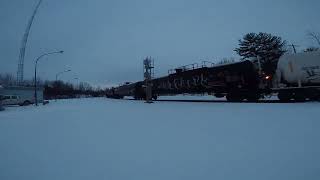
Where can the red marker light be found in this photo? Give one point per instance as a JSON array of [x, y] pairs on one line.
[[267, 77]]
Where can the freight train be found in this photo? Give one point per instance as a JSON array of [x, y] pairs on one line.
[[297, 78]]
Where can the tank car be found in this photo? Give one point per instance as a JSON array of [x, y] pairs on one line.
[[298, 76]]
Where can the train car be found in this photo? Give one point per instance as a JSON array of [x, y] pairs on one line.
[[128, 89], [298, 77], [235, 81], [302, 69]]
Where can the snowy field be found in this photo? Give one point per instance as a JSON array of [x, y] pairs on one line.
[[129, 140]]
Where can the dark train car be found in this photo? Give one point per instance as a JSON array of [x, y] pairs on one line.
[[135, 90], [127, 89], [236, 81]]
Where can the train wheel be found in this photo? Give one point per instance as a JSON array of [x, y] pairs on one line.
[[253, 97], [234, 97], [284, 96], [218, 95], [314, 98], [155, 97], [229, 97], [313, 95], [299, 97]]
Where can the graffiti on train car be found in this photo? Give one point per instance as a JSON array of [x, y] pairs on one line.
[[183, 83]]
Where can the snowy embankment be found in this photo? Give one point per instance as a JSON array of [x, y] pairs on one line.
[[122, 139]]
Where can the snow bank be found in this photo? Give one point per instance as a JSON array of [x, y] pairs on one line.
[[122, 139]]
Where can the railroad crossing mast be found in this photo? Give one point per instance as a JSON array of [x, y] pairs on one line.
[[148, 72]]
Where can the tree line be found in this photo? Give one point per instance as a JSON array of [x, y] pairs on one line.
[[60, 89], [56, 89]]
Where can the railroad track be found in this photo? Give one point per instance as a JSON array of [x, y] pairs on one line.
[[223, 101]]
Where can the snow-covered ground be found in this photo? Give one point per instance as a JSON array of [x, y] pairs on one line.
[[122, 139]]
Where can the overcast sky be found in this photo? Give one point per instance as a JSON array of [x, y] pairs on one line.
[[105, 41]]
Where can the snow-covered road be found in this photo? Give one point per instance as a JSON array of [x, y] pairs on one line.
[[121, 140]]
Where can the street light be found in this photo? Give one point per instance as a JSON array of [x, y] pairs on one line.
[[35, 72], [57, 75], [77, 80], [76, 87]]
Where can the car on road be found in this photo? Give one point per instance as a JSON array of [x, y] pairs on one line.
[[15, 100], [13, 95]]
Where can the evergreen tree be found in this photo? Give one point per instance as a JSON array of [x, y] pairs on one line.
[[268, 47]]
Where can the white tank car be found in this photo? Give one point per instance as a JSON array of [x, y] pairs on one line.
[[299, 69]]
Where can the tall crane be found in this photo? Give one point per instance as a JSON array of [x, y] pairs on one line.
[[23, 46]]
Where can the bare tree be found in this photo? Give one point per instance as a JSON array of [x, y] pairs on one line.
[[314, 36], [7, 79], [84, 86]]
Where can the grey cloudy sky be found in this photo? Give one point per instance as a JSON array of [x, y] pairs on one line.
[[105, 40]]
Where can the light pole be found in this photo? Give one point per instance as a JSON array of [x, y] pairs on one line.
[[77, 81], [35, 72], [58, 74], [76, 87]]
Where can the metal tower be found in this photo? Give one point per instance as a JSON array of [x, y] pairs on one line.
[[23, 46], [148, 66]]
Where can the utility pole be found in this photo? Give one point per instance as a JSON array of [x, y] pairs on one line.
[[148, 73], [57, 75]]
